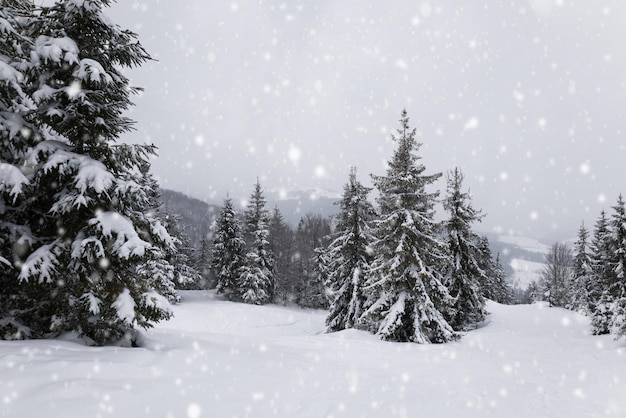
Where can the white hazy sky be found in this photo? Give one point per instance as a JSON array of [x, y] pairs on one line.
[[527, 97]]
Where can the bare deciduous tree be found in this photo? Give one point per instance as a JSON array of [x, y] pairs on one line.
[[556, 275]]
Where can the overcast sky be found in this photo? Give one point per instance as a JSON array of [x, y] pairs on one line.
[[527, 97]]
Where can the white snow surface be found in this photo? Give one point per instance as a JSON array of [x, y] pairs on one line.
[[222, 359]]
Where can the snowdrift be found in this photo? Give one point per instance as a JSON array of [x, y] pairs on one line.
[[222, 359]]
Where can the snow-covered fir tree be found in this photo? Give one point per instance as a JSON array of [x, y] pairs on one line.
[[185, 274], [407, 297], [493, 284], [229, 252], [349, 255], [598, 297], [256, 283], [18, 135], [616, 290], [581, 272], [464, 273], [76, 212], [281, 245]]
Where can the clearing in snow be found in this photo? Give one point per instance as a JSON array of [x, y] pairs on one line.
[[223, 359]]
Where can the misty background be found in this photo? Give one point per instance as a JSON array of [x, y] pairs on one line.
[[526, 97]]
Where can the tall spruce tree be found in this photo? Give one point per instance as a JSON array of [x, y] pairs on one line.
[[281, 245], [18, 135], [257, 279], [616, 290], [228, 258], [464, 273], [349, 256], [598, 297], [581, 272], [80, 231], [407, 297]]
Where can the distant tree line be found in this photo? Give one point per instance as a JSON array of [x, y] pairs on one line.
[[590, 278]]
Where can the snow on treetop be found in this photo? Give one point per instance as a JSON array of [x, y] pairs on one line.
[[127, 242], [57, 49]]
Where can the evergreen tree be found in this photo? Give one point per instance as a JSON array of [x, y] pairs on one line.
[[408, 299], [18, 135], [598, 297], [202, 263], [349, 256], [228, 252], [185, 275], [581, 272], [463, 275], [616, 290], [257, 278], [493, 284], [281, 245], [77, 214]]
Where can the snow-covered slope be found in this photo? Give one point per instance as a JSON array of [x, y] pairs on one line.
[[525, 272], [221, 359], [525, 243]]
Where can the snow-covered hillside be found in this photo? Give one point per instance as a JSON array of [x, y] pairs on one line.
[[525, 243], [221, 359], [525, 272]]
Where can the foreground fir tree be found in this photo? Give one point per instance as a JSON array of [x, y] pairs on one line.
[[256, 283], [228, 258], [464, 273], [18, 135], [407, 297], [77, 218], [348, 256]]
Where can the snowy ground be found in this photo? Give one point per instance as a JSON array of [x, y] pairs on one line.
[[221, 359]]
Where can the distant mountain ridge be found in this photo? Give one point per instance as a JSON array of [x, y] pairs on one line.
[[196, 216]]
